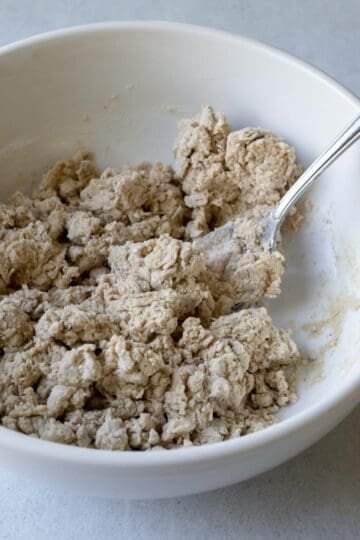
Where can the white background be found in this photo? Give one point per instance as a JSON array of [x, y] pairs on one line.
[[314, 496]]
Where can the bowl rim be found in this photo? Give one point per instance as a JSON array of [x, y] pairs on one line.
[[349, 392]]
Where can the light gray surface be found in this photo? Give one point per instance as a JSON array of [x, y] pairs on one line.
[[314, 496]]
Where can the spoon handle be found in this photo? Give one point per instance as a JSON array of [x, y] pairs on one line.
[[343, 141]]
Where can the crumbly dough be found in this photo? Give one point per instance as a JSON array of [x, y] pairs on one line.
[[117, 328]]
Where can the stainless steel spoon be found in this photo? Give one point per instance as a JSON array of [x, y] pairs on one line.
[[220, 239], [271, 224]]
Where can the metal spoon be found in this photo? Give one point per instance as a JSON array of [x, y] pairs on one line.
[[221, 237], [271, 224]]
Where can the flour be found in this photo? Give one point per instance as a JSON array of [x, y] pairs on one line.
[[116, 322]]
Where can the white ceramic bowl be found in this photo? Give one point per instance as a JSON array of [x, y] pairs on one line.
[[118, 89]]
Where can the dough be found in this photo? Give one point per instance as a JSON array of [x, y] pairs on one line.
[[117, 328]]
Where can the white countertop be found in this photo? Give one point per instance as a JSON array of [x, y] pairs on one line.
[[314, 496]]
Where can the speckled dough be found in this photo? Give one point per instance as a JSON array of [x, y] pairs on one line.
[[116, 322]]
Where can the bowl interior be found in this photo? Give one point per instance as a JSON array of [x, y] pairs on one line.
[[120, 92]]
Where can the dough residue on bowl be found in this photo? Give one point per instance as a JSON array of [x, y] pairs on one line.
[[116, 328]]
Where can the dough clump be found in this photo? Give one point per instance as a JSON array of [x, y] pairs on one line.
[[117, 327]]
